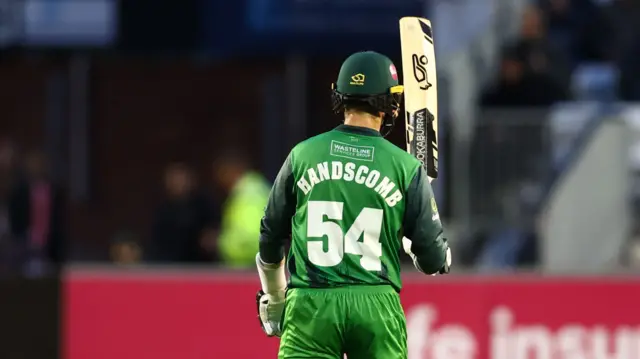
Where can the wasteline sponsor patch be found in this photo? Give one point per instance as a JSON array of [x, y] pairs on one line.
[[362, 153]]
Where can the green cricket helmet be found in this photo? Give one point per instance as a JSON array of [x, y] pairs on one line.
[[368, 81]]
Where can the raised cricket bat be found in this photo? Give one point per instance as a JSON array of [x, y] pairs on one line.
[[420, 91]]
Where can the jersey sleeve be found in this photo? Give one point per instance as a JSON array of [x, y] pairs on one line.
[[422, 225], [275, 226]]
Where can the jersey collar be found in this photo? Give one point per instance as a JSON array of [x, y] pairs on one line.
[[358, 130]]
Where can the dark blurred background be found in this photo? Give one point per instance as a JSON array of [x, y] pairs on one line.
[[131, 132], [127, 111], [126, 125]]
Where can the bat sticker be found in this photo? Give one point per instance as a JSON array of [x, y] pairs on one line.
[[420, 71]]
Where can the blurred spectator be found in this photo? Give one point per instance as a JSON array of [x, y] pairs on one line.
[[182, 222], [36, 216], [520, 84], [532, 72], [8, 164], [624, 18], [563, 26], [511, 243], [125, 249], [540, 56], [7, 174], [247, 194], [578, 28]]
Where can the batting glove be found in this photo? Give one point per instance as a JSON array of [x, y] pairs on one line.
[[270, 312], [447, 263], [406, 245]]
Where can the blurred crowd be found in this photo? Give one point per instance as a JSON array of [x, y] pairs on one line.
[[566, 50], [215, 221], [32, 233]]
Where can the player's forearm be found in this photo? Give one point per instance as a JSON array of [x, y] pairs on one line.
[[272, 277], [422, 226]]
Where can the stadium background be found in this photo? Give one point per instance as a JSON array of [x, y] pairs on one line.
[[116, 119]]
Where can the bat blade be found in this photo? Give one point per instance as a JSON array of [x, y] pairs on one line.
[[420, 91]]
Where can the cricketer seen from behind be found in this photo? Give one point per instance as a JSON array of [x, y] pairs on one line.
[[347, 197]]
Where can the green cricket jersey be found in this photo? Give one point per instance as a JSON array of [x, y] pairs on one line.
[[347, 197]]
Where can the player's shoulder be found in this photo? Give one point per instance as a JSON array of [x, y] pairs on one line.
[[401, 155], [311, 143]]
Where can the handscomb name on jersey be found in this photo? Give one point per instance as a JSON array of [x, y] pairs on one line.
[[349, 171]]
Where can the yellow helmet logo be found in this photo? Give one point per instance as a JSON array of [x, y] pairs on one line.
[[357, 80]]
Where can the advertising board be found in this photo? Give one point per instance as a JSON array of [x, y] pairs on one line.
[[171, 315]]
